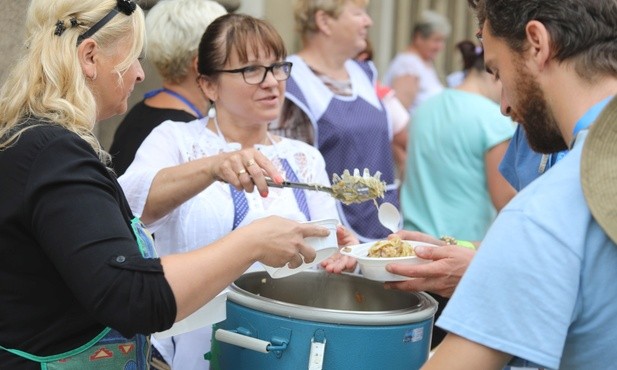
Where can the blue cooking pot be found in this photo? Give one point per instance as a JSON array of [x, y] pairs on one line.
[[315, 320]]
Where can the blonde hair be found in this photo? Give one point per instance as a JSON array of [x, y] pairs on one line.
[[174, 29], [305, 10], [47, 82]]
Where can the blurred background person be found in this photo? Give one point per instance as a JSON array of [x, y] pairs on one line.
[[173, 28], [397, 112], [412, 73], [456, 141], [171, 182], [332, 102], [468, 51]]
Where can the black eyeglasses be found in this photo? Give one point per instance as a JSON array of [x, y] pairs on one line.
[[125, 6], [254, 75]]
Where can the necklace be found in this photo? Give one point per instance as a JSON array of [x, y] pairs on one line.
[[176, 95]]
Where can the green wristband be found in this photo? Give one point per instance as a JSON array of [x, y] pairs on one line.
[[466, 244]]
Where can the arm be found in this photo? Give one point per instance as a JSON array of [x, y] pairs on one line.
[[458, 353], [84, 237], [399, 150], [406, 88], [499, 189], [399, 117], [340, 263], [175, 185], [198, 276]]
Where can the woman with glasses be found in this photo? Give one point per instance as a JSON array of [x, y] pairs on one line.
[[171, 182], [332, 103], [81, 286]]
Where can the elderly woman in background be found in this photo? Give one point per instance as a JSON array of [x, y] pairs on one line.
[[86, 287], [242, 71], [332, 103], [173, 28], [412, 72]]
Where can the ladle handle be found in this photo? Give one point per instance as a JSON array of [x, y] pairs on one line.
[[298, 185]]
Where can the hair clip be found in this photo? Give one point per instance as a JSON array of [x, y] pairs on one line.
[[74, 22], [126, 6], [60, 28]]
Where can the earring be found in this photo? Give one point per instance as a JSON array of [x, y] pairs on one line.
[[212, 111]]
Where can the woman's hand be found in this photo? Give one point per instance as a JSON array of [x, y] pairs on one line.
[[338, 263], [245, 169], [276, 241], [199, 275]]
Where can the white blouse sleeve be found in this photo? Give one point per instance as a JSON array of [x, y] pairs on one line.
[[159, 150]]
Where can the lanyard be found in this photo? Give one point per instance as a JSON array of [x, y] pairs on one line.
[[582, 124], [152, 93]]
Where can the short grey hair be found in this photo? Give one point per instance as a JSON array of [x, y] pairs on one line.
[[431, 22], [174, 29]]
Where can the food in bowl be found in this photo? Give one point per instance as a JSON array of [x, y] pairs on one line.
[[394, 247], [374, 268]]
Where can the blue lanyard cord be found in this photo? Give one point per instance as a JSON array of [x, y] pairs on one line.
[[582, 124], [152, 93]]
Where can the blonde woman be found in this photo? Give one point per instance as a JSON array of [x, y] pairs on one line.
[[86, 287]]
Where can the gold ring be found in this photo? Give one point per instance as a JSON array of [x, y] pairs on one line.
[[241, 172], [250, 163]]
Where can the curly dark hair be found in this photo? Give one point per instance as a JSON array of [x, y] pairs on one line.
[[584, 31]]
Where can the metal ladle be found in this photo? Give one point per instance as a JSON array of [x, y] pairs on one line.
[[347, 188]]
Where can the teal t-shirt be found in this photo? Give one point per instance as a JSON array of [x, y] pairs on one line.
[[445, 189]]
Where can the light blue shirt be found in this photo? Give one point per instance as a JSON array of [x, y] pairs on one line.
[[543, 285], [445, 190], [521, 165]]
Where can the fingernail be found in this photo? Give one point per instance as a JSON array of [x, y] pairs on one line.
[[264, 194], [278, 179], [419, 249]]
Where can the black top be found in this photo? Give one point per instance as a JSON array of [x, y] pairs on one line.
[[64, 222], [134, 129]]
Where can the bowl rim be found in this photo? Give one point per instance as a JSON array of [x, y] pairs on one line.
[[365, 246]]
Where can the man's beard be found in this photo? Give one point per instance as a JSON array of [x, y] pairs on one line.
[[533, 113]]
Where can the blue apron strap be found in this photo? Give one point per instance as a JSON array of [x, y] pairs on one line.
[[298, 193], [241, 206]]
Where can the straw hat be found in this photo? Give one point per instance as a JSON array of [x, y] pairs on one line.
[[599, 170]]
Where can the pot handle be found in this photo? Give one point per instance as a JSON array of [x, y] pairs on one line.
[[241, 338]]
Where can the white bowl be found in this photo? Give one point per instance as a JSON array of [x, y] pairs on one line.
[[324, 247], [374, 268]]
